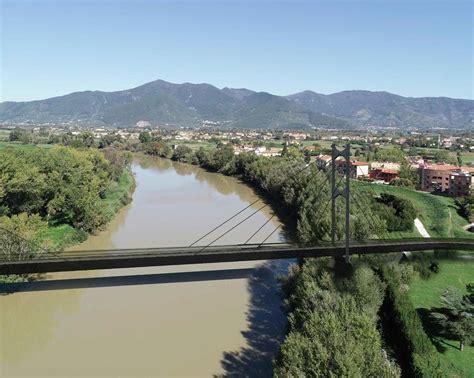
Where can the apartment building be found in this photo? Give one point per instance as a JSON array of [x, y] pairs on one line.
[[461, 183], [436, 177]]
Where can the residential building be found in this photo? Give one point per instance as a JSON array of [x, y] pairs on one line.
[[357, 168], [384, 174], [323, 161], [385, 165], [461, 183], [435, 177]]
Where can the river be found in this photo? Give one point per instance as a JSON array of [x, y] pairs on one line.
[[201, 320]]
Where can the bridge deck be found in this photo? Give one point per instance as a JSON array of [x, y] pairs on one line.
[[129, 258]]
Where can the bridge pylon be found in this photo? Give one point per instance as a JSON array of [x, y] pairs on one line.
[[344, 192]]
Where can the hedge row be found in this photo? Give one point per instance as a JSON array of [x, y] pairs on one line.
[[423, 357]]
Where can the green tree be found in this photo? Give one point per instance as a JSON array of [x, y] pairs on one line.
[[183, 153], [407, 176], [332, 325], [87, 139], [15, 135], [459, 158], [144, 137], [456, 317]]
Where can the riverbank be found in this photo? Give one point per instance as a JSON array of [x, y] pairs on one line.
[[57, 237], [117, 195]]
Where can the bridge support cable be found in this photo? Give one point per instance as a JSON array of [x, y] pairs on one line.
[[368, 216], [365, 209], [374, 194], [260, 228], [322, 210], [32, 245], [248, 217], [232, 228], [247, 207]]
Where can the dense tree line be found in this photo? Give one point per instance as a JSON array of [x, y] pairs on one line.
[[301, 189], [61, 185], [332, 327], [423, 360], [398, 213]]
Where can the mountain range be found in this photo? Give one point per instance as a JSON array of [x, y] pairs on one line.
[[160, 103]]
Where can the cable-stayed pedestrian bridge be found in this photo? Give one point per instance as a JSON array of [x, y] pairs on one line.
[[128, 258]]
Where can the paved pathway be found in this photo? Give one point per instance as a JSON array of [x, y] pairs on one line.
[[421, 229]]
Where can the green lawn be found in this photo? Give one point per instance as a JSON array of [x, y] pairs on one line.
[[62, 236], [438, 214], [425, 293], [467, 157]]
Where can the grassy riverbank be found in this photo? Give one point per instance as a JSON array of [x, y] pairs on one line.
[[116, 196], [55, 197], [425, 294]]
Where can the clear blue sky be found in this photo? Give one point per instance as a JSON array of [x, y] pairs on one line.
[[413, 48]]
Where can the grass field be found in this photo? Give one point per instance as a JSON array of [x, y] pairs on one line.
[[467, 157], [194, 145], [62, 236], [4, 145], [438, 214], [425, 294]]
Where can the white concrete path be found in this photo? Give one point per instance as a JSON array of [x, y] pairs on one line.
[[421, 229]]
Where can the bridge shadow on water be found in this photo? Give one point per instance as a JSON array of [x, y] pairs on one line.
[[130, 280], [265, 316], [266, 324]]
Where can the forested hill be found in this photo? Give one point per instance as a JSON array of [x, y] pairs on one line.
[[386, 109], [161, 103]]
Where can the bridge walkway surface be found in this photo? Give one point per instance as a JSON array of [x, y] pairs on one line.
[[129, 258]]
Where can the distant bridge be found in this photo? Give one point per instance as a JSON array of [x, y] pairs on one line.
[[145, 257]]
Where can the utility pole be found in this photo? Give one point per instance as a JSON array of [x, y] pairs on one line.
[[345, 193]]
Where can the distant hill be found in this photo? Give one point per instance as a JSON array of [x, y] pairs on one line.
[[162, 103], [363, 108]]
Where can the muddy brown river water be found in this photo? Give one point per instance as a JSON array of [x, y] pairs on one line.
[[215, 319]]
